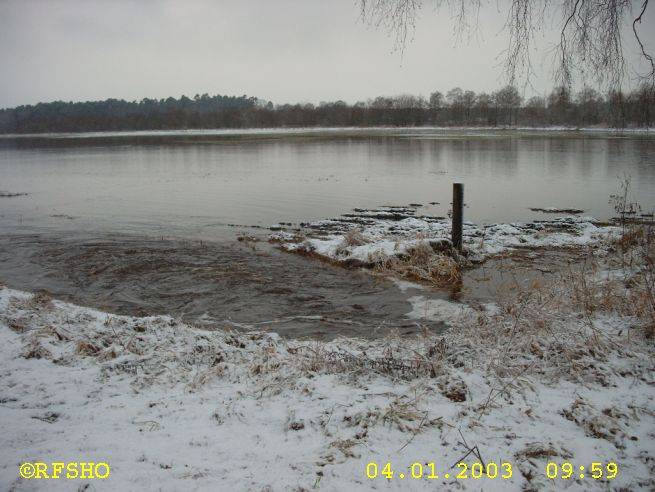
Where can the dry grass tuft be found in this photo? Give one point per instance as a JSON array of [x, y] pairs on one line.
[[41, 300], [403, 415], [36, 351], [621, 281], [86, 348], [631, 237], [454, 389], [345, 446], [649, 330], [536, 450], [354, 238], [17, 325], [606, 424], [107, 355], [422, 264]]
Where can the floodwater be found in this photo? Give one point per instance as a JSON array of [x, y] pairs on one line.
[[191, 185], [226, 284], [145, 223]]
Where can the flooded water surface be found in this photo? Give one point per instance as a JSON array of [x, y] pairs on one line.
[[192, 185], [146, 223]]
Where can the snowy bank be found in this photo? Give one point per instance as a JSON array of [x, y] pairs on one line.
[[371, 236], [173, 407]]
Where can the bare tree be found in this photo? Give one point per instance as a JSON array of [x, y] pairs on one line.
[[590, 45], [589, 103], [483, 103], [508, 100], [560, 104], [436, 100], [455, 98], [468, 99], [535, 110]]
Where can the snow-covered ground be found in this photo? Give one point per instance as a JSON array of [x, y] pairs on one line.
[[527, 381], [391, 231]]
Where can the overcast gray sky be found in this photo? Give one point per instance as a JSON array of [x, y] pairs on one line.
[[279, 50]]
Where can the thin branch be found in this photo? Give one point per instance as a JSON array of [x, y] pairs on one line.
[[647, 56], [590, 43]]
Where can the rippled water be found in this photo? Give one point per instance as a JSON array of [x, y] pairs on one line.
[[122, 222], [225, 284], [192, 185]]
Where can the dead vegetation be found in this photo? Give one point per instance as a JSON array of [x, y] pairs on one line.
[[403, 415], [541, 334], [354, 238], [573, 327], [422, 264], [539, 450], [620, 278], [608, 424], [34, 350]]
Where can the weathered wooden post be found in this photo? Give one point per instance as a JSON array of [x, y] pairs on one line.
[[458, 215]]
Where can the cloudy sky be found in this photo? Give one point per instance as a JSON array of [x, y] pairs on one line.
[[281, 50]]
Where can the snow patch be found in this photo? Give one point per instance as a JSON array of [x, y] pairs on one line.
[[393, 237], [438, 310]]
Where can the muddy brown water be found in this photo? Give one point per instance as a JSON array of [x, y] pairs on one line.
[[245, 285], [219, 284]]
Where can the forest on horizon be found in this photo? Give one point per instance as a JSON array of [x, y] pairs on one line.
[[457, 107]]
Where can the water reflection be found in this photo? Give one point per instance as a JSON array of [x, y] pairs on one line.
[[191, 185]]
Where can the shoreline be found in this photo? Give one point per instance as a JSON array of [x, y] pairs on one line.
[[556, 372], [317, 130]]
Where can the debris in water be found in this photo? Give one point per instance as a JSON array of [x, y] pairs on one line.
[[63, 216], [555, 210], [7, 194]]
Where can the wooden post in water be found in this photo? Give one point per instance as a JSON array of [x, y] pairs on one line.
[[458, 215]]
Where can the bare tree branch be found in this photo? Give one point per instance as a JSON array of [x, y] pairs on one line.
[[650, 77], [590, 43], [398, 16]]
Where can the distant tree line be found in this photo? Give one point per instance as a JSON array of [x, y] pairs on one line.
[[502, 108], [112, 114]]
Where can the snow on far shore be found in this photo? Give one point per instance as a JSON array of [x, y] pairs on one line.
[[401, 131], [393, 231], [173, 407]]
